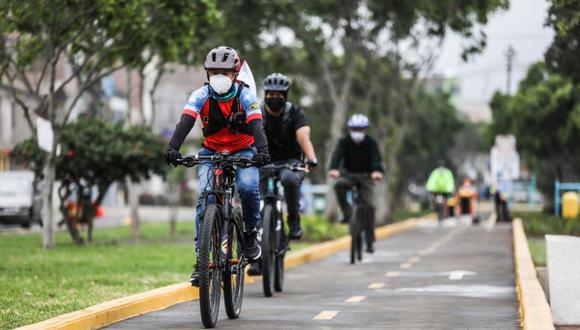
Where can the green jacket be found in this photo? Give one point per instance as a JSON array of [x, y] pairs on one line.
[[441, 181]]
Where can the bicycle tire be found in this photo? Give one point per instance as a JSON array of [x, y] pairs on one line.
[[268, 249], [233, 276], [355, 237], [279, 273], [209, 274]]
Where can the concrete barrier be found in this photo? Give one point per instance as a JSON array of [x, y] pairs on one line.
[[534, 309], [101, 315], [563, 255]]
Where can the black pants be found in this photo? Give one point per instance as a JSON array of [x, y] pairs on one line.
[[365, 200], [291, 181]]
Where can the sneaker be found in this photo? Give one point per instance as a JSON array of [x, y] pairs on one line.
[[295, 229], [255, 269], [252, 249], [194, 276]]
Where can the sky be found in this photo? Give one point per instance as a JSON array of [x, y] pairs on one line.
[[521, 26]]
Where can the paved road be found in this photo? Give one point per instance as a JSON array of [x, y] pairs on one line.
[[450, 277]]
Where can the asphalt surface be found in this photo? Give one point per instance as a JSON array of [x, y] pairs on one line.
[[433, 277]]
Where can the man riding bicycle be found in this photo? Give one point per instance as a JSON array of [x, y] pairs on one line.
[[441, 181], [288, 133], [232, 122], [357, 153]]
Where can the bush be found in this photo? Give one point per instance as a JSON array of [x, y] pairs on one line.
[[538, 224], [317, 229]]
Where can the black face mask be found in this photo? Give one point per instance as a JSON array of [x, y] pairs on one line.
[[275, 103]]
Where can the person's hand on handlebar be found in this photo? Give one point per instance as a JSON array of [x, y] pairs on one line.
[[376, 175], [261, 158], [171, 156], [334, 174], [311, 164]]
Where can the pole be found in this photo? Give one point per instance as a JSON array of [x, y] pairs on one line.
[[510, 55]]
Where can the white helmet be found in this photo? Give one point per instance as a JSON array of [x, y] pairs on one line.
[[358, 120]]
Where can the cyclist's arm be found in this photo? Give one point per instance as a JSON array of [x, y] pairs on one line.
[[303, 137], [254, 119], [190, 112]]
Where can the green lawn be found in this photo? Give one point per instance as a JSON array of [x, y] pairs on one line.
[[538, 224], [36, 284]]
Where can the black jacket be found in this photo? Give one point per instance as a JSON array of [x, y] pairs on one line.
[[357, 157]]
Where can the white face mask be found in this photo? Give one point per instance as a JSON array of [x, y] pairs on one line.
[[357, 136], [220, 83]]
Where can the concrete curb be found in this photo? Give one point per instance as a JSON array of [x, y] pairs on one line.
[[101, 315], [534, 308]]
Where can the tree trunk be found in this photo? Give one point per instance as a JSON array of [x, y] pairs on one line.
[[336, 124], [133, 192], [48, 225]]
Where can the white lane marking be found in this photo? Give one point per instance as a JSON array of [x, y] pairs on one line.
[[376, 285], [414, 260], [423, 253], [325, 315], [457, 275], [355, 299], [392, 274], [405, 265]]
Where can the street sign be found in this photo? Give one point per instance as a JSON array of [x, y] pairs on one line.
[[44, 134]]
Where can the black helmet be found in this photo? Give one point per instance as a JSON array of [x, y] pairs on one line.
[[276, 82]]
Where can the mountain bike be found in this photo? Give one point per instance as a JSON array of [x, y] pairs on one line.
[[221, 259], [274, 236], [359, 217]]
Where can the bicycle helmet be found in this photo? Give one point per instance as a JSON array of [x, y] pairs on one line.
[[358, 121], [276, 82], [223, 57]]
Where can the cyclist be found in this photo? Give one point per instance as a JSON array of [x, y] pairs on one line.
[[441, 181], [357, 153], [232, 122], [467, 196], [288, 133]]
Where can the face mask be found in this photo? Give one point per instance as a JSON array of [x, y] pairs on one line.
[[220, 83], [275, 103], [357, 136]]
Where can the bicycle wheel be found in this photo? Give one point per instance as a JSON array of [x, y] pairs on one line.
[[209, 273], [279, 273], [355, 237], [234, 273], [268, 249]]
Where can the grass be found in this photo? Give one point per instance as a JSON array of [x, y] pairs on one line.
[[538, 251], [36, 284], [400, 215], [538, 224]]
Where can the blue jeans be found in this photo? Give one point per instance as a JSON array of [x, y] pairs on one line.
[[248, 182]]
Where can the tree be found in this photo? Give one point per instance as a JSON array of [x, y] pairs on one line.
[[94, 155], [562, 56], [544, 115], [52, 52]]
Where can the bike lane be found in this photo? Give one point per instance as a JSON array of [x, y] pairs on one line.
[[431, 277]]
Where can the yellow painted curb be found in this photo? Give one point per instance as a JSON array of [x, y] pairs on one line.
[[534, 309], [101, 315]]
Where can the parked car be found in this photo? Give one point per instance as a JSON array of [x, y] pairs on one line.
[[20, 198]]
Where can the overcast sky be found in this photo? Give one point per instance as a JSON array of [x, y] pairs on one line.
[[522, 26]]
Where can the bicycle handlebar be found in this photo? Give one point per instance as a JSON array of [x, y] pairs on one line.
[[294, 167], [193, 160]]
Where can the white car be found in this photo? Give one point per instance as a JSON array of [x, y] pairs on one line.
[[20, 199]]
